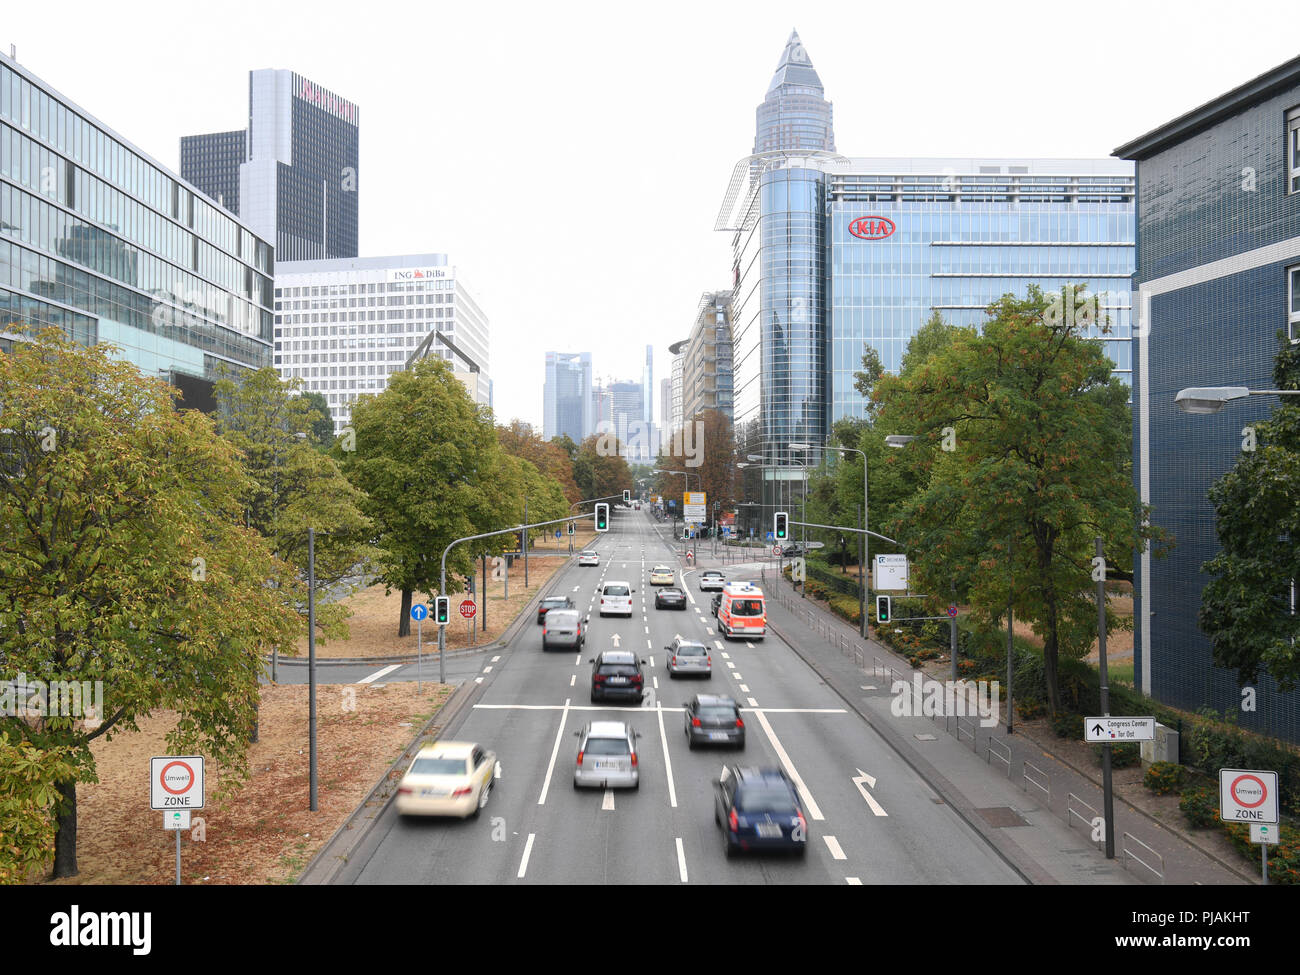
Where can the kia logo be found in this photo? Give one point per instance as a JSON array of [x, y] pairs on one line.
[[872, 228]]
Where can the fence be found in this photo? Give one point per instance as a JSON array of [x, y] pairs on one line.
[[1128, 854]]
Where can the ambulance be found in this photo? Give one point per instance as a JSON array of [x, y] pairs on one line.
[[742, 612]]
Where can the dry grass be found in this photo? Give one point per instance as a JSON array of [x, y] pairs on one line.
[[265, 833]]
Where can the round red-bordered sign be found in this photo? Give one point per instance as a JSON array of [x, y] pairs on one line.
[[162, 778], [1263, 791]]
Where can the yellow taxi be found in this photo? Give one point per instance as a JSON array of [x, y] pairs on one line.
[[662, 575], [447, 778]]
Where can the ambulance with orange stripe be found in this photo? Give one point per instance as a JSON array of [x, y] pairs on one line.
[[742, 613]]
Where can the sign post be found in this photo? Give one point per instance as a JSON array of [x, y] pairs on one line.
[[176, 786], [467, 610], [1247, 796], [418, 612], [891, 572]]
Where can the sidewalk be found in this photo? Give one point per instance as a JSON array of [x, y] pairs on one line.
[[1033, 808]]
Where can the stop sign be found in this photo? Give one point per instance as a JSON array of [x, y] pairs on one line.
[[468, 609]]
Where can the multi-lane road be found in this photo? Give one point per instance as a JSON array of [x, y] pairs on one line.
[[871, 818]]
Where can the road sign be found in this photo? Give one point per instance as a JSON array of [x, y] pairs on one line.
[[1247, 797], [812, 545], [1119, 729], [891, 572], [176, 782], [1263, 833], [776, 549], [770, 536], [690, 555], [419, 612], [952, 611], [557, 534], [468, 608], [176, 819], [694, 505]]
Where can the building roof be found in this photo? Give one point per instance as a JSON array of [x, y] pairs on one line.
[[1256, 90], [796, 68]]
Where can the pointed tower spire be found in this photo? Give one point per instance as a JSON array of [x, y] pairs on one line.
[[795, 113]]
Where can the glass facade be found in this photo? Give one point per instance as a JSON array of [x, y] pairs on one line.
[[96, 236], [211, 162], [567, 405]]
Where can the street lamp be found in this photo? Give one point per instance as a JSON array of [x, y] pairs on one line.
[[866, 538], [898, 440], [1211, 399]]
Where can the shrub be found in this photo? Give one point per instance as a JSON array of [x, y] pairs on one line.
[[1163, 778], [1029, 708], [1124, 755], [1067, 724], [1200, 804], [1283, 858]]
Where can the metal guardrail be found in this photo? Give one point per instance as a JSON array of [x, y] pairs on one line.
[[988, 754], [1071, 800], [1025, 777], [962, 732], [1130, 855]]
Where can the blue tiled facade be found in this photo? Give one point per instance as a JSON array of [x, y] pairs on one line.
[[1217, 231]]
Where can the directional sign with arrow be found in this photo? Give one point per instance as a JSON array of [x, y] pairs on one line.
[[1106, 729], [862, 780]]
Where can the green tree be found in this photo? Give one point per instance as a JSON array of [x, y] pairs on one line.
[[601, 469], [322, 427], [1246, 607], [1028, 436], [123, 560], [520, 440], [432, 470]]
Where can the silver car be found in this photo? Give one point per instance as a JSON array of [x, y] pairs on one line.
[[607, 756], [688, 657], [564, 628]]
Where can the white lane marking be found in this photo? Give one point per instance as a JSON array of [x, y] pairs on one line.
[[730, 665], [718, 644], [478, 680], [868, 687], [725, 655], [736, 675], [378, 674], [833, 845], [853, 881], [487, 669], [647, 631], [573, 679], [668, 761], [656, 680], [744, 689], [813, 809], [576, 588], [652, 661], [528, 850], [748, 644], [649, 644], [751, 702], [703, 620], [681, 860], [607, 804], [577, 660], [555, 751], [862, 781], [496, 658]]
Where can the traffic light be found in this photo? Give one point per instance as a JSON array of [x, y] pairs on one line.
[[882, 609], [627, 496], [779, 526], [602, 517], [442, 610]]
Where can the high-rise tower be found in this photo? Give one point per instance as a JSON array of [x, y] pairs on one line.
[[795, 113]]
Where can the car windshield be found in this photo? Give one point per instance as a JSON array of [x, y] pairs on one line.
[[616, 591], [606, 746], [691, 650], [764, 798], [440, 766], [718, 712], [747, 607]]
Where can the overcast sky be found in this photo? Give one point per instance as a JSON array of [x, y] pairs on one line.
[[571, 158]]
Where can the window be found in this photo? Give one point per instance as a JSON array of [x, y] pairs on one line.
[[1293, 302], [1293, 150]]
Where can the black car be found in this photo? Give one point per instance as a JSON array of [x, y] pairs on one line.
[[713, 720], [759, 809], [550, 603], [794, 548], [670, 597], [617, 674], [717, 601]]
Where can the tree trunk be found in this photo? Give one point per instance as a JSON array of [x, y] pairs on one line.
[[404, 624], [65, 839], [1049, 657]]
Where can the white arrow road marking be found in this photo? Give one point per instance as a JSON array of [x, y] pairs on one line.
[[528, 850], [681, 860], [833, 845], [668, 768], [555, 751], [863, 777], [607, 804], [378, 674], [813, 809], [617, 639]]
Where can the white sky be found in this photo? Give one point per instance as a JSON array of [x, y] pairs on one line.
[[571, 158]]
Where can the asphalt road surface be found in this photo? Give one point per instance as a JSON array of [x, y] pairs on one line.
[[871, 818]]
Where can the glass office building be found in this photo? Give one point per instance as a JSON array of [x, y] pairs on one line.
[[566, 396], [1218, 277], [98, 238]]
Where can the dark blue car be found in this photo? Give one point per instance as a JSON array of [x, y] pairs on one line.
[[759, 809]]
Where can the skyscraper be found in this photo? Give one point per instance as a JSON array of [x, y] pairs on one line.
[[795, 113], [647, 386], [292, 176], [567, 396]]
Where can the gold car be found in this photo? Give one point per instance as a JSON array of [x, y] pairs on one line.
[[662, 575], [447, 778]]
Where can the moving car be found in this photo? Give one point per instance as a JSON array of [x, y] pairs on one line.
[[617, 674], [717, 601], [447, 778], [714, 720], [742, 611], [616, 598], [688, 657], [670, 597], [662, 575], [607, 756], [794, 548], [588, 557], [552, 602], [564, 628], [711, 580], [759, 809]]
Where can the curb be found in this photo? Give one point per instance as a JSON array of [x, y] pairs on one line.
[[335, 854]]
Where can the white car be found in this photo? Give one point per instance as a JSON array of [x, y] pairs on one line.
[[711, 580], [616, 599], [447, 778], [588, 558]]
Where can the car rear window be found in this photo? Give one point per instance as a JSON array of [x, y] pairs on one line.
[[691, 650], [763, 798], [718, 713], [440, 766], [616, 591], [747, 607], [565, 618], [618, 670], [555, 601], [606, 746]]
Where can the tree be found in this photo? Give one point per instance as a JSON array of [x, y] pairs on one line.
[[520, 440], [601, 469], [322, 427], [432, 470], [124, 560], [1246, 607], [1026, 435]]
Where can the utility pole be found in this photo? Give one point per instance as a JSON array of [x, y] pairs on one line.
[[1107, 792], [311, 661]]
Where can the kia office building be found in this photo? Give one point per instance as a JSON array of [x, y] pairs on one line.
[[1218, 277], [344, 326], [99, 239]]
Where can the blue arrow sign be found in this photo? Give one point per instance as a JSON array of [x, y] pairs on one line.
[[770, 536], [557, 533], [419, 612]]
